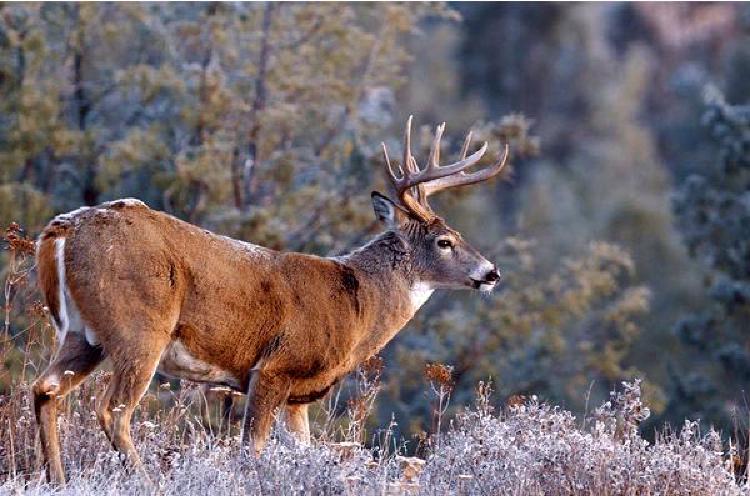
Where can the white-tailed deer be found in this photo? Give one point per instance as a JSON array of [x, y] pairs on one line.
[[154, 293]]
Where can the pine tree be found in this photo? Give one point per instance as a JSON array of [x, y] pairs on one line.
[[713, 209]]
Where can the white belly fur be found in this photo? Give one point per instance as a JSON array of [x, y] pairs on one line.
[[177, 362]]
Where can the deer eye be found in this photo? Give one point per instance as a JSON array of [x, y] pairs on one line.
[[445, 243]]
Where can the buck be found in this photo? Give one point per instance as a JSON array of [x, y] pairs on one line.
[[153, 293]]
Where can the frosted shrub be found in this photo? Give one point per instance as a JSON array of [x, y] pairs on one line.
[[530, 448], [535, 448]]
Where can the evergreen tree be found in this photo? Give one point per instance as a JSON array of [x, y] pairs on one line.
[[713, 210]]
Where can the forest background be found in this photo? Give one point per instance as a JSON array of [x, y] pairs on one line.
[[622, 228]]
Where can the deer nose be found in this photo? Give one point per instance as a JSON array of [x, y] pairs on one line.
[[492, 276]]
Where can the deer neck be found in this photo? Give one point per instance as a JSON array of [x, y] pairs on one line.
[[386, 264]]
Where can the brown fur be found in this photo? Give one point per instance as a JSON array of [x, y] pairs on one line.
[[283, 327], [48, 278]]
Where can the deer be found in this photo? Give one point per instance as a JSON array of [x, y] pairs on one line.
[[153, 293]]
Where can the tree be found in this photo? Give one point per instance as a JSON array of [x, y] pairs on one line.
[[713, 211]]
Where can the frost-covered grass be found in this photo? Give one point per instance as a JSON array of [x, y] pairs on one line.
[[531, 448], [539, 449]]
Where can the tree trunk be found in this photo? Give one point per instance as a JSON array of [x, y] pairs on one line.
[[200, 129], [90, 191], [236, 177], [250, 185]]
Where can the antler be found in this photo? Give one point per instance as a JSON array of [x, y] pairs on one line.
[[414, 184]]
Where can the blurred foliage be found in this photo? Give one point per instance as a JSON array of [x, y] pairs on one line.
[[263, 121], [713, 208], [196, 108]]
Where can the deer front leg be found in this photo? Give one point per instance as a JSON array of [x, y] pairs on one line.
[[265, 394], [298, 422]]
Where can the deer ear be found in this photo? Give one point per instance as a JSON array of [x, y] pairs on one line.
[[386, 211]]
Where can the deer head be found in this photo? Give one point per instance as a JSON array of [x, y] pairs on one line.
[[440, 257]]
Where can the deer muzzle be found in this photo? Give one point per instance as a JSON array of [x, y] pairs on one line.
[[487, 281]]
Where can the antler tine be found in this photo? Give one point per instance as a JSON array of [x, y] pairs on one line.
[[387, 160], [407, 149], [401, 181], [465, 147], [463, 179], [434, 160]]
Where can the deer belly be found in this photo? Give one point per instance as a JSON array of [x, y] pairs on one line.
[[178, 362], [304, 393]]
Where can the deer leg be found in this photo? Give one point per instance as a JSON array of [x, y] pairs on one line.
[[129, 383], [77, 356], [298, 422], [103, 414], [265, 393]]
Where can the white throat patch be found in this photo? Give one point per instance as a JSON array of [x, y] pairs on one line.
[[420, 292]]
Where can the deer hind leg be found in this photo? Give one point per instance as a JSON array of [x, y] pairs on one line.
[[74, 361], [298, 423], [265, 394], [130, 380]]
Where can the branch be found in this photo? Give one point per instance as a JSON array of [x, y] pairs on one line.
[[303, 38]]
